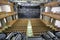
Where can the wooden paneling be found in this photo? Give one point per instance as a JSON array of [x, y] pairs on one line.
[[49, 24], [52, 4], [52, 15], [9, 24], [3, 1], [6, 15]]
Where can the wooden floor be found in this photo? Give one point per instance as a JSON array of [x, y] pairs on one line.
[[21, 25]]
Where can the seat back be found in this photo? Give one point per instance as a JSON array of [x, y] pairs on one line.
[[14, 36], [2, 36]]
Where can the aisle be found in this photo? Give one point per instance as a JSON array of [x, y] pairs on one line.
[[29, 29], [21, 25]]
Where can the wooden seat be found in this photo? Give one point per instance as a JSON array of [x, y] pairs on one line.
[[38, 26], [21, 25]]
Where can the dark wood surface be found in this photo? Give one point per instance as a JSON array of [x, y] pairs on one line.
[[52, 4], [21, 25]]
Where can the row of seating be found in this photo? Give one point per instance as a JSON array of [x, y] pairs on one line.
[[12, 36], [21, 26], [49, 35]]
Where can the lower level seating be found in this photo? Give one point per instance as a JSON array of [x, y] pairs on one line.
[[21, 26]]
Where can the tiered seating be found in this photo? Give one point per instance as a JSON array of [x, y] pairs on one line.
[[8, 17], [21, 25], [52, 15], [38, 26]]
